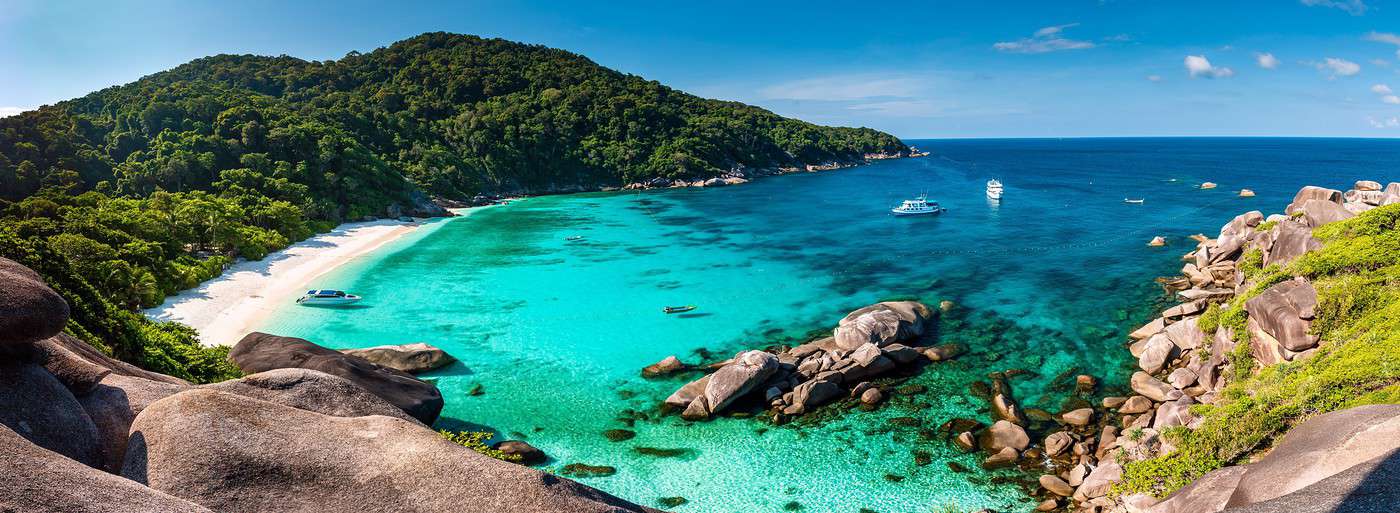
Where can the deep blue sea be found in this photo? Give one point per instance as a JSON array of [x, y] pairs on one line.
[[1047, 280]]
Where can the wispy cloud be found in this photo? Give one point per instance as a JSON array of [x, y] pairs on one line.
[[1338, 67], [900, 108], [844, 88], [1154, 78], [1386, 94], [1380, 89], [1384, 37], [1352, 7], [1266, 60], [6, 112], [1391, 122], [1047, 39], [1199, 66]]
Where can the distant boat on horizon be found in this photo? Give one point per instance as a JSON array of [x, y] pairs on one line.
[[994, 189]]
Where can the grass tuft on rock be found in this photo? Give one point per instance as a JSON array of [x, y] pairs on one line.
[[476, 441]]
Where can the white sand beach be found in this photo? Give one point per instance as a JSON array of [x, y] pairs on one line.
[[226, 308]]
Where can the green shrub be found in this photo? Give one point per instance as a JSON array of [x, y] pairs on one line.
[[476, 441]]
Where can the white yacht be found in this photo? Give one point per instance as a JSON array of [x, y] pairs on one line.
[[917, 206], [327, 297], [994, 189]]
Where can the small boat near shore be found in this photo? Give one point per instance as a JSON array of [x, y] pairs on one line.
[[994, 189], [917, 206], [678, 309], [573, 238], [1133, 201], [326, 297]]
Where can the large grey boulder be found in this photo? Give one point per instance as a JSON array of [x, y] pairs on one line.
[[732, 381], [1234, 235], [1207, 494], [1003, 434], [1320, 447], [1285, 311], [114, 404], [34, 479], [410, 358], [36, 406], [1290, 240], [1318, 212], [882, 324], [310, 390], [237, 454], [1370, 487], [32, 311], [1156, 353], [261, 352], [1313, 193], [1152, 388]]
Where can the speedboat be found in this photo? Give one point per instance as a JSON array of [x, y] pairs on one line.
[[574, 238], [994, 189], [678, 309], [917, 206], [327, 298], [1133, 201]]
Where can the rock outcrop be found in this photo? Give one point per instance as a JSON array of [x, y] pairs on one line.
[[261, 352], [866, 344], [311, 390], [29, 309], [411, 358], [36, 479], [199, 445]]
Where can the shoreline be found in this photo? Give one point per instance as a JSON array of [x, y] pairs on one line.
[[226, 307]]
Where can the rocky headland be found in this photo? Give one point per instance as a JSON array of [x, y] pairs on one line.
[[310, 429], [1236, 390]]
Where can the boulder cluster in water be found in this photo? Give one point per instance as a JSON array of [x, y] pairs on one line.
[[1180, 366], [867, 344], [311, 430]]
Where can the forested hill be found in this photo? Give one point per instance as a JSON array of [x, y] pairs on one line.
[[456, 115], [138, 191]]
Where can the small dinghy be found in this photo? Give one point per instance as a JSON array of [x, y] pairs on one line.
[[1133, 201], [573, 238], [678, 309], [327, 298]]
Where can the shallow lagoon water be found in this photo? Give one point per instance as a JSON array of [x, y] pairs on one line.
[[1048, 280]]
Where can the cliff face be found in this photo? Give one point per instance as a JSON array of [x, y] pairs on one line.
[[1282, 359], [83, 432]]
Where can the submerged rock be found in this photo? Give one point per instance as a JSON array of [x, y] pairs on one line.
[[665, 367]]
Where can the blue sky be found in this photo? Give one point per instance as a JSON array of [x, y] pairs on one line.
[[930, 69]]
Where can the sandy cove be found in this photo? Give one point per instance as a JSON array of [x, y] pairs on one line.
[[227, 307]]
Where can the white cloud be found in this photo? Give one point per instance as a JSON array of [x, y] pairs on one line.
[[844, 88], [1381, 63], [1383, 37], [1266, 60], [1352, 7], [1390, 122], [1199, 66], [1154, 78], [1339, 67], [1047, 39], [1391, 99], [900, 108], [6, 112], [1381, 89]]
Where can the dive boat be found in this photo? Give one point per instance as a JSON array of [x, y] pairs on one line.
[[994, 189], [1133, 201], [678, 309], [327, 297], [917, 206]]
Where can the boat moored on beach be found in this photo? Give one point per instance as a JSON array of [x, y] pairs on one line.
[[326, 297], [917, 206]]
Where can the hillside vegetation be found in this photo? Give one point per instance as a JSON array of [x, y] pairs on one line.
[[137, 191]]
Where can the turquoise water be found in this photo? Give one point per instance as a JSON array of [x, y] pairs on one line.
[[1048, 280]]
